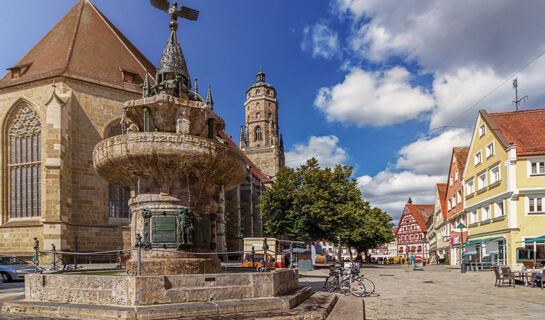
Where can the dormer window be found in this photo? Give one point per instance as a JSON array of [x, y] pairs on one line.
[[18, 71], [130, 77]]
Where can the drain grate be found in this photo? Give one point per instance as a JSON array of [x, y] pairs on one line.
[[386, 275], [428, 281]]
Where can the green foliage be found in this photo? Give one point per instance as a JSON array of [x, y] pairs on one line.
[[447, 262], [310, 203]]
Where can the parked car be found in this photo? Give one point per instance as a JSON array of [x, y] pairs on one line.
[[12, 268]]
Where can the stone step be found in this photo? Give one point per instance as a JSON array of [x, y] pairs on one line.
[[171, 311], [317, 307]]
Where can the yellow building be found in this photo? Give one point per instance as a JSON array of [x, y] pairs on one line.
[[504, 186]]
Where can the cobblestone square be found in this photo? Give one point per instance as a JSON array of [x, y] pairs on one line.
[[438, 292]]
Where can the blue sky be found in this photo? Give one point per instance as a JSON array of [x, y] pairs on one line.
[[361, 82]]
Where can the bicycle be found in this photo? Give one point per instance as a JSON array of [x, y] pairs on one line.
[[368, 284], [344, 283]]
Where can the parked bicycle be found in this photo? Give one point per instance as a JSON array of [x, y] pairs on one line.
[[344, 282]]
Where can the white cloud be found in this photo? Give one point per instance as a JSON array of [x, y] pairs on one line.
[[325, 149], [374, 98], [432, 155], [390, 190], [323, 41], [446, 35]]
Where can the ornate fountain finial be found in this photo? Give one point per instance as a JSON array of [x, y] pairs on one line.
[[172, 75], [209, 100]]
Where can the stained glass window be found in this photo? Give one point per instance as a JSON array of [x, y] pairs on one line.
[[24, 164]]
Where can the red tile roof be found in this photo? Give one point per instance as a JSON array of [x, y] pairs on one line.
[[253, 168], [525, 129], [83, 44], [421, 213], [461, 157], [442, 190]]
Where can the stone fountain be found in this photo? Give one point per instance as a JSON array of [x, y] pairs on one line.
[[175, 165]]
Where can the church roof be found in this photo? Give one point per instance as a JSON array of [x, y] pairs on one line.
[[84, 44], [253, 168]]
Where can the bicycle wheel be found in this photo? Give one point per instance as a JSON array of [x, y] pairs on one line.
[[331, 283], [369, 286], [357, 288], [345, 287]]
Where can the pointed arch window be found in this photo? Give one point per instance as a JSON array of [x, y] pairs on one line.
[[258, 134], [118, 197], [24, 163]]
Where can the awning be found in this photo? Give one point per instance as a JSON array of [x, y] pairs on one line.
[[481, 240], [541, 239]]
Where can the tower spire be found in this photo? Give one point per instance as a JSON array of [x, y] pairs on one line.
[[209, 100], [196, 86]]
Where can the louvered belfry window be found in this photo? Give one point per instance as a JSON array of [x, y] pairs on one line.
[[24, 164]]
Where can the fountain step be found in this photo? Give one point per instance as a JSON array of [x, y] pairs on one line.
[[208, 310]]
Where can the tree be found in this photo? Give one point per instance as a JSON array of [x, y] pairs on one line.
[[310, 203]]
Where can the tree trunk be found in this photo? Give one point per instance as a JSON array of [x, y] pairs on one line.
[[351, 257]]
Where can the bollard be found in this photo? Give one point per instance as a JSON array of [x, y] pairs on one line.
[[265, 258], [53, 254]]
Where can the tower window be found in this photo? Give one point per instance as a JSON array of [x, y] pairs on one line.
[[258, 115], [258, 134], [257, 91], [269, 116], [268, 91]]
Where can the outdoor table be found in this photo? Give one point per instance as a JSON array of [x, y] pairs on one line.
[[524, 275]]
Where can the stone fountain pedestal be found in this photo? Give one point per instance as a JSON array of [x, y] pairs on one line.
[[175, 173]]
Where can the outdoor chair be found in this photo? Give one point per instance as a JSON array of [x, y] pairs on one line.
[[542, 280], [504, 275]]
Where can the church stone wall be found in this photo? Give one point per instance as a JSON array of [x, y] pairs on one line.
[[74, 199]]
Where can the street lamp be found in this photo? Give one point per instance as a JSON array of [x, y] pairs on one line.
[[461, 226]]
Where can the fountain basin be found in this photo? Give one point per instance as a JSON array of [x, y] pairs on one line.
[[166, 158], [153, 290]]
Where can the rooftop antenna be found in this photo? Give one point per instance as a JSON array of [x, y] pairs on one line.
[[517, 101]]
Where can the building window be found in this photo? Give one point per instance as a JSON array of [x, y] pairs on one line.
[[485, 213], [24, 164], [449, 204], [258, 134], [470, 187], [495, 174], [258, 115], [498, 209], [482, 130], [268, 92], [130, 77], [473, 217], [257, 91], [538, 167], [481, 181], [269, 116], [451, 180], [478, 158], [490, 150], [456, 175], [459, 195], [535, 205]]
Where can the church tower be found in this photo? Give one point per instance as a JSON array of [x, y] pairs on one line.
[[260, 140]]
